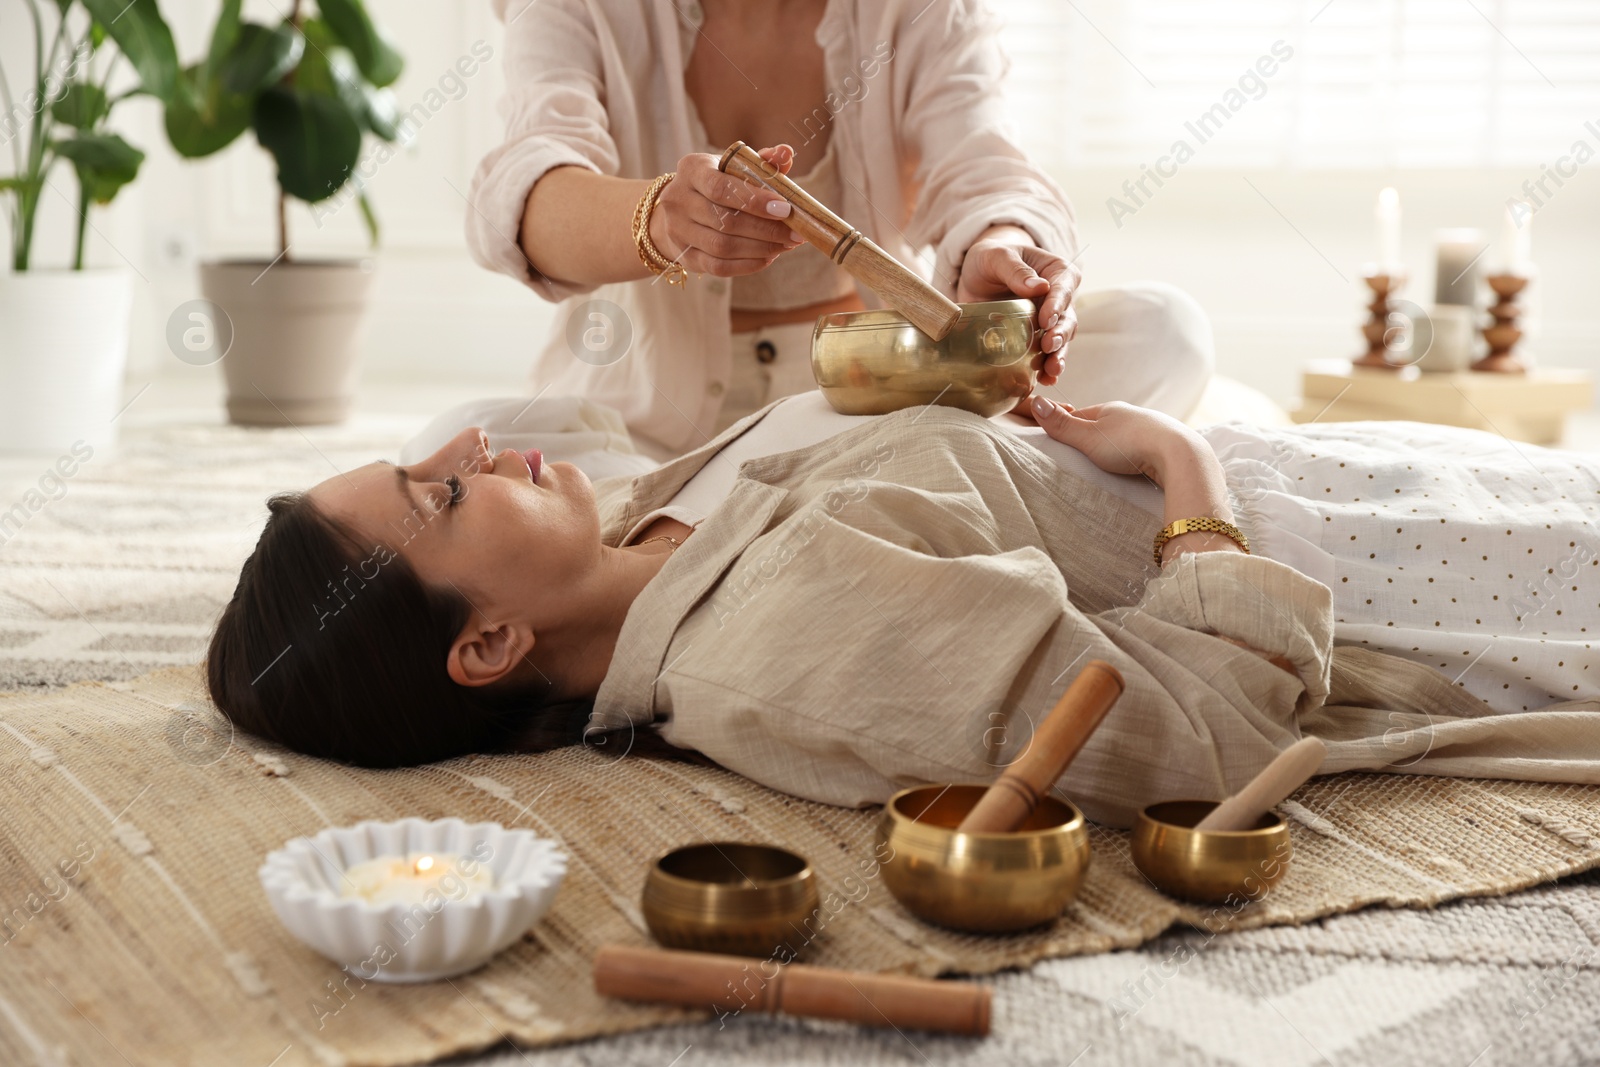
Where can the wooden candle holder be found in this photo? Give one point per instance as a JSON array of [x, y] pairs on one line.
[[1376, 329], [1503, 333], [900, 287]]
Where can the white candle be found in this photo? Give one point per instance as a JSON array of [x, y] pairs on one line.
[[1516, 239], [1456, 277], [1387, 214], [411, 878]]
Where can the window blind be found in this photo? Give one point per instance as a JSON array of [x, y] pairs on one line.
[[1368, 83]]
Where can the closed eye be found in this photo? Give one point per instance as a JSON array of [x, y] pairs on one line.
[[456, 488]]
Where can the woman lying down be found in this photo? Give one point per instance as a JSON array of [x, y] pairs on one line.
[[840, 607]]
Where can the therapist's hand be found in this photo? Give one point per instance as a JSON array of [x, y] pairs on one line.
[[1007, 264], [717, 223]]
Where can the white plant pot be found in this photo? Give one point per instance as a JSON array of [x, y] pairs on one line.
[[298, 332], [63, 353]]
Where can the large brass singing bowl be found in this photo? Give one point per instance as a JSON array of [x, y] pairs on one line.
[[1211, 867], [986, 883], [728, 896], [875, 362]]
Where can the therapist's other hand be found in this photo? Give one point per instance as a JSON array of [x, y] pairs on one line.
[[998, 269], [717, 223], [1119, 437]]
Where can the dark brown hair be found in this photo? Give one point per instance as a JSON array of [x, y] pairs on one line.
[[335, 652]]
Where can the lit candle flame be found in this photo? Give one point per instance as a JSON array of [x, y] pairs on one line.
[[423, 865]]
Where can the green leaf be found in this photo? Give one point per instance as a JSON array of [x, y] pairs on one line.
[[261, 58], [97, 35], [314, 139], [328, 69], [377, 58], [370, 217], [138, 29], [100, 151], [82, 106], [224, 38], [202, 118], [382, 113], [104, 162]]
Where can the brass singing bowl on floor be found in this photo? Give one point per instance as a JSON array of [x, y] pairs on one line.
[[985, 883], [1209, 867], [875, 362], [733, 897]]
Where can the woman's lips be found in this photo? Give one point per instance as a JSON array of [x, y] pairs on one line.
[[535, 460]]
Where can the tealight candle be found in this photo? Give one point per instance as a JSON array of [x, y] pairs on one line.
[[409, 879]]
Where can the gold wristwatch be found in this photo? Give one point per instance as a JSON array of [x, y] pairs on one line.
[[1206, 523]]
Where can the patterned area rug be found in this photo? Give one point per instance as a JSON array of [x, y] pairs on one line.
[[156, 820], [124, 571], [1499, 981]]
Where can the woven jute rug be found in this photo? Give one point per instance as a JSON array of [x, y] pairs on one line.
[[158, 946]]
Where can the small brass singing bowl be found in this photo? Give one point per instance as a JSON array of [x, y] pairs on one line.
[[732, 897], [982, 883], [875, 362], [1209, 867]]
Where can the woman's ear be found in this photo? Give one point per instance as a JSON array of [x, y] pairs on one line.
[[482, 655]]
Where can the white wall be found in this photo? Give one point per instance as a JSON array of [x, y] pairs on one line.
[[1273, 297], [1272, 282]]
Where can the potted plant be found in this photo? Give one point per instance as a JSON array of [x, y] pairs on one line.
[[64, 346], [310, 88]]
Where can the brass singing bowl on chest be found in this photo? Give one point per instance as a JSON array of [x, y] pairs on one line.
[[875, 362]]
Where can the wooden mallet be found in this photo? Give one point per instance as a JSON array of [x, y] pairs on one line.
[[706, 979], [900, 287], [1277, 780], [1013, 796]]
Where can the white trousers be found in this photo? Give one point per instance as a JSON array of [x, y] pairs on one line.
[[1147, 343]]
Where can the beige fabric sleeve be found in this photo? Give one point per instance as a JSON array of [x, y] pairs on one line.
[[553, 117], [1266, 604], [971, 170]]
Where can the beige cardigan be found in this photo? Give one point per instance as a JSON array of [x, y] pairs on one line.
[[900, 603], [928, 155]]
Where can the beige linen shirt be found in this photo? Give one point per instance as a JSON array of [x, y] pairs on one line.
[[927, 148], [903, 602]]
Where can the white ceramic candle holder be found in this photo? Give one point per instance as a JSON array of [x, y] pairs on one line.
[[447, 934]]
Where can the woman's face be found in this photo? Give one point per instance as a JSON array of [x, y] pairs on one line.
[[515, 536]]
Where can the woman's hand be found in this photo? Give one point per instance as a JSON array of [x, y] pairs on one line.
[[1120, 438], [717, 223], [999, 269]]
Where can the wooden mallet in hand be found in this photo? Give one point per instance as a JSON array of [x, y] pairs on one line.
[[901, 288], [1013, 796]]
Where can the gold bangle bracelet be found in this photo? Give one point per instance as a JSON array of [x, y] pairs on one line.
[[654, 261], [1203, 523]]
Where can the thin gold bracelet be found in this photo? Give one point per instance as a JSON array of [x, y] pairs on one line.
[[1205, 523], [657, 263]]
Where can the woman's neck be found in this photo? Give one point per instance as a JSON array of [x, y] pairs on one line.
[[574, 659]]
